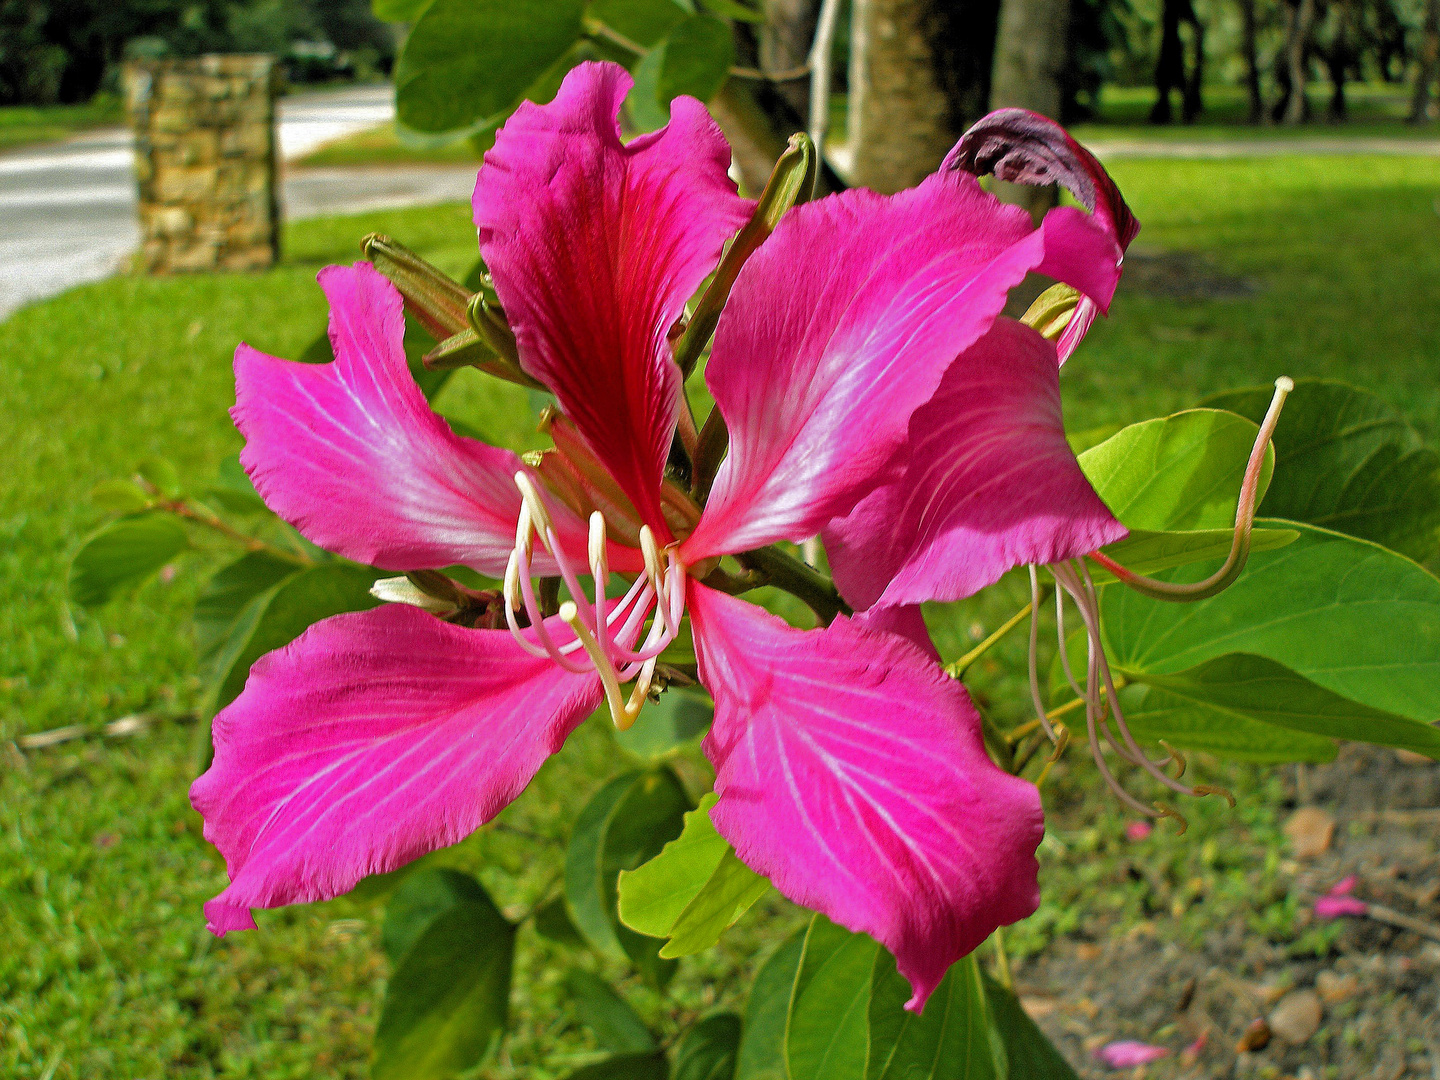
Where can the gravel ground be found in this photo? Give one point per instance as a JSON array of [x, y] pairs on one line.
[[1367, 1007]]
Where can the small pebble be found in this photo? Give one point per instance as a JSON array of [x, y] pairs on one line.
[[1310, 830], [1296, 1017], [1255, 1037], [1335, 988]]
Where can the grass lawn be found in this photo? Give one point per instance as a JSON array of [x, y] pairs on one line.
[[21, 125], [380, 146], [107, 969], [1375, 110]]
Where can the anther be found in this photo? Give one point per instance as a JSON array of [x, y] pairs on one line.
[[599, 564], [513, 599], [538, 514]]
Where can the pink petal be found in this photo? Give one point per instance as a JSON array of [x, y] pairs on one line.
[[906, 620], [595, 246], [1334, 907], [1025, 147], [851, 773], [1344, 887], [1128, 1053], [843, 323], [1136, 831], [989, 483], [370, 740], [352, 456]]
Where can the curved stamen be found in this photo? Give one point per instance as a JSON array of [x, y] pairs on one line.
[[1234, 563], [600, 573], [609, 677], [1035, 697], [1064, 650]]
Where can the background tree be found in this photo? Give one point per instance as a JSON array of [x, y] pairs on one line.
[[1429, 69], [1171, 72]]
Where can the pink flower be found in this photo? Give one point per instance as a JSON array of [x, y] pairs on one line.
[[1138, 830], [850, 769], [1129, 1053], [1338, 902]]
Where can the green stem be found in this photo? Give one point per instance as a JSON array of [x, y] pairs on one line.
[[1002, 961], [250, 543], [956, 669], [790, 574]]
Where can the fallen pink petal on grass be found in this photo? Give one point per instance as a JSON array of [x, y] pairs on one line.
[[1128, 1053]]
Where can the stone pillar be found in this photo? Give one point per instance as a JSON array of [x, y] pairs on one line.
[[205, 161]]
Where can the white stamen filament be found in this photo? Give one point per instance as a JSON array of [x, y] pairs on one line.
[[601, 627]]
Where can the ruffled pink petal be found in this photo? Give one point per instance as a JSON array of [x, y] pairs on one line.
[[351, 454], [1128, 1053], [370, 740], [1027, 148], [989, 484], [906, 620], [595, 246], [843, 323], [851, 773]]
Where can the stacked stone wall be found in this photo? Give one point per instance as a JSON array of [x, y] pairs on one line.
[[205, 162]]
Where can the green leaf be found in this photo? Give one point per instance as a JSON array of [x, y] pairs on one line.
[[952, 1039], [419, 900], [677, 718], [1344, 613], [653, 896], [1030, 1054], [762, 1036], [732, 9], [731, 891], [616, 1025], [1347, 461], [1199, 708], [161, 474], [124, 553], [698, 55], [233, 491], [466, 61], [552, 921], [827, 1031], [693, 891], [124, 496], [447, 1002], [280, 615], [707, 1050], [398, 10], [1150, 552], [229, 591], [646, 111], [1176, 472], [625, 1067], [644, 22], [626, 824]]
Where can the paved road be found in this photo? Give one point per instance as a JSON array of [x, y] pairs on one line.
[[67, 210]]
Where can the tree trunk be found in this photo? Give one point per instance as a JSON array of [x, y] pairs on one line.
[[1339, 57], [785, 39], [1297, 109], [1192, 103], [901, 121], [1429, 64], [1030, 55], [1256, 112]]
